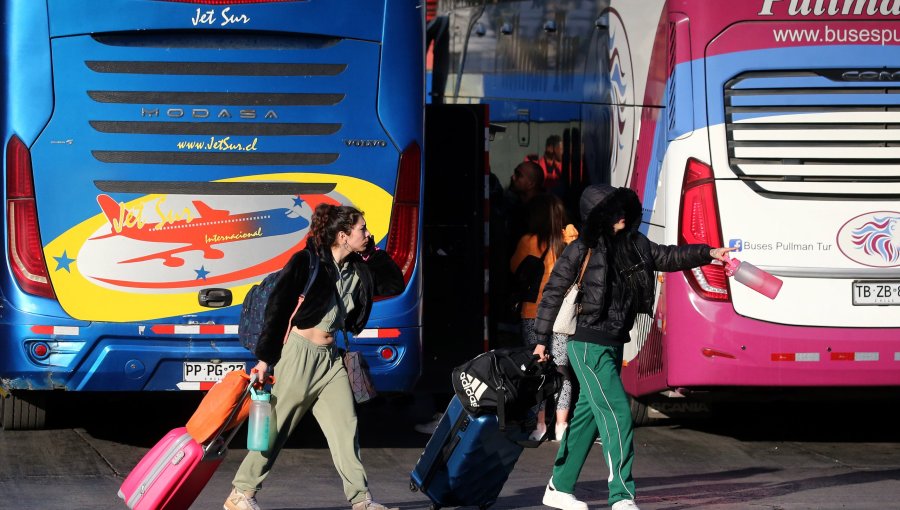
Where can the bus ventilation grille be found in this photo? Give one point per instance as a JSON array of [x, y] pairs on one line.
[[814, 134]]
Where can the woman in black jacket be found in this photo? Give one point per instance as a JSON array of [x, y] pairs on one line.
[[617, 285], [311, 372]]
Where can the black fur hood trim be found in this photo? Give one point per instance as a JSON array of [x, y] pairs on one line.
[[602, 205]]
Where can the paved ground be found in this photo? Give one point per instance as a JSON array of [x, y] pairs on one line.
[[771, 457]]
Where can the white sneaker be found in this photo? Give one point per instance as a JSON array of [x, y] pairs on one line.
[[538, 434], [430, 426], [625, 504], [562, 500]]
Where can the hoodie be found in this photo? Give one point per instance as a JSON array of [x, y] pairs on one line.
[[608, 307]]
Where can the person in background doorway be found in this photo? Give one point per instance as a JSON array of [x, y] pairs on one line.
[[526, 182], [550, 162], [617, 285], [547, 234]]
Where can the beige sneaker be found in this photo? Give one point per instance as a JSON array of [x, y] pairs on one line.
[[240, 500], [368, 504]]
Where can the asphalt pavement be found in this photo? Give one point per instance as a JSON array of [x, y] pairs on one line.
[[768, 457]]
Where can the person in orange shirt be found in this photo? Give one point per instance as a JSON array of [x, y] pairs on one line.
[[547, 233], [550, 162]]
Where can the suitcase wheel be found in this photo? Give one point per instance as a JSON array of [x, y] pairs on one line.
[[412, 486], [434, 506]]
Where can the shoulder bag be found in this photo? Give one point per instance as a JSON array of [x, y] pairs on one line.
[[571, 304], [357, 369], [358, 374]]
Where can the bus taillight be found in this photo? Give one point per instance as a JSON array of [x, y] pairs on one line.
[[26, 255], [699, 223], [404, 231]]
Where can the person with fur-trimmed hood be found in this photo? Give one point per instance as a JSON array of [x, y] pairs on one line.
[[617, 285]]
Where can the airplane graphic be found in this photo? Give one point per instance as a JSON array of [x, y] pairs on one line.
[[211, 227]]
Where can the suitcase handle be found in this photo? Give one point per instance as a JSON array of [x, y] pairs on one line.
[[217, 446]]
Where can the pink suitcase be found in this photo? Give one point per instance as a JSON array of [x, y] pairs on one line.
[[172, 474]]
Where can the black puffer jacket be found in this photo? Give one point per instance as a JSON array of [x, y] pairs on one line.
[[378, 275], [608, 309]]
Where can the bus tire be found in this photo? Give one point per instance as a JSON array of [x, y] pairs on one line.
[[640, 414], [24, 413]]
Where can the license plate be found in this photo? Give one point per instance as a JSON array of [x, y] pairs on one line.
[[204, 371], [876, 293]]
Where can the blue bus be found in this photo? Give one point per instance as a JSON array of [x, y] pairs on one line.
[[163, 156]]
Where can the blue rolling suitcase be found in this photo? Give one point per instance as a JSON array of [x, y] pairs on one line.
[[467, 460]]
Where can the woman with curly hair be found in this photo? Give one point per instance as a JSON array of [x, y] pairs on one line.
[[310, 370]]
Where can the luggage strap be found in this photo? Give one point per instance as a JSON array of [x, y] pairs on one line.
[[447, 450], [217, 446]]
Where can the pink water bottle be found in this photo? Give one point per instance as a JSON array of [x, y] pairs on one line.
[[753, 277]]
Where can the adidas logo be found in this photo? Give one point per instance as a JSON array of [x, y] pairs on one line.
[[473, 387]]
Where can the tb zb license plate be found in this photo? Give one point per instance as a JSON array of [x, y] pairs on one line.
[[876, 293], [203, 371]]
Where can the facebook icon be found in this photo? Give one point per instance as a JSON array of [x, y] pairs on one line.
[[736, 243]]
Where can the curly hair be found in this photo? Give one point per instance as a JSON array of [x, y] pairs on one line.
[[328, 220]]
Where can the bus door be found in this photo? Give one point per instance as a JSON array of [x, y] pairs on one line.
[[454, 258]]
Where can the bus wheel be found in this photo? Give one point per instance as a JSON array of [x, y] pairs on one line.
[[640, 415], [24, 412]]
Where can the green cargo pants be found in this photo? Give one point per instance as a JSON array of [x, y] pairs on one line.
[[311, 376], [603, 409]]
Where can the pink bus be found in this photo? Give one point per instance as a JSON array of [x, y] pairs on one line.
[[772, 126], [769, 125]]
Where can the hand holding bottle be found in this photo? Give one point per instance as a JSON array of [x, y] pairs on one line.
[[753, 277], [720, 253]]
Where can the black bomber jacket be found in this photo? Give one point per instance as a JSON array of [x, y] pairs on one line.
[[603, 319], [378, 275]]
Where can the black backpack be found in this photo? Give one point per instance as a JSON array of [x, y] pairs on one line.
[[526, 281], [507, 382], [253, 311]]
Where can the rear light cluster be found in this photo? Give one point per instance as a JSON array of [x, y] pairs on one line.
[[387, 353], [404, 231], [699, 223], [26, 255]]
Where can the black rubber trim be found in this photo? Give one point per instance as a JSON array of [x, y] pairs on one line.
[[214, 128], [216, 188], [215, 98], [215, 68], [214, 158]]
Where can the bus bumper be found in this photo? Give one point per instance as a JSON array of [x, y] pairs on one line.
[[707, 344], [129, 357]]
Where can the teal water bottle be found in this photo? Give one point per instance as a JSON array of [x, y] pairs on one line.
[[260, 421]]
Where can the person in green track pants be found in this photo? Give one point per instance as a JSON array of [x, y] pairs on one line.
[[616, 266]]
